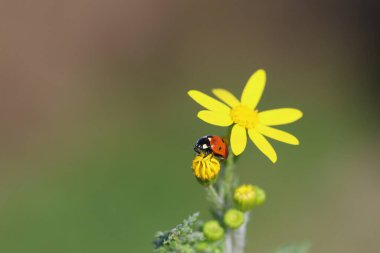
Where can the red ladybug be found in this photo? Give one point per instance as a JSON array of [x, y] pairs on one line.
[[211, 144]]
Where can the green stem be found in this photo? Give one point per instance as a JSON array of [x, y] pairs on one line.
[[228, 188], [215, 198], [228, 180]]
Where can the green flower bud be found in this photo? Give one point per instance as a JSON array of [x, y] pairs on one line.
[[212, 230], [201, 247], [260, 196], [233, 218], [245, 197]]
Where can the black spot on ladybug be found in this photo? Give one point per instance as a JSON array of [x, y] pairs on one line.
[[220, 148]]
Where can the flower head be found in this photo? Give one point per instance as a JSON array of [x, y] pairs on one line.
[[233, 218], [206, 168], [245, 117]]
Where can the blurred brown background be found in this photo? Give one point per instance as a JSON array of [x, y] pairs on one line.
[[97, 130]]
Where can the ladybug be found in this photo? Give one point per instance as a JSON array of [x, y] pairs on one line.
[[212, 144]]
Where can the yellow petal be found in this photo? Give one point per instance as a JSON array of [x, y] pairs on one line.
[[254, 89], [208, 102], [279, 116], [238, 139], [215, 118], [262, 144], [278, 135], [226, 96]]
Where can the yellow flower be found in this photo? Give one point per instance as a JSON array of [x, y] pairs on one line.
[[206, 168], [245, 117]]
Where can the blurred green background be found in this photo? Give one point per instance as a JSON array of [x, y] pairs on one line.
[[97, 130]]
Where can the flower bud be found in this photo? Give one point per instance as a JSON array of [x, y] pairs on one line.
[[233, 218], [206, 168], [248, 196], [201, 247], [245, 197], [212, 230]]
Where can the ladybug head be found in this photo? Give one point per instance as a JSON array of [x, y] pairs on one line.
[[203, 145]]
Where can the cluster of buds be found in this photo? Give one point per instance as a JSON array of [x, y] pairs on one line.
[[213, 231], [206, 168]]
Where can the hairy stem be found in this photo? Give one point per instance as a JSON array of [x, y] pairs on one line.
[[228, 247], [240, 234], [228, 180], [228, 187], [215, 197]]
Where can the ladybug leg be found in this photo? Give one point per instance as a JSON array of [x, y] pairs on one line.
[[207, 152]]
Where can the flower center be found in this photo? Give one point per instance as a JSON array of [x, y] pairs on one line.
[[244, 116]]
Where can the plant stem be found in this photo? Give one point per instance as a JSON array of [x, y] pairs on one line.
[[228, 242], [228, 187], [228, 179], [240, 234], [214, 196]]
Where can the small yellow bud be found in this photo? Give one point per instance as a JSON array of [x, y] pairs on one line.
[[206, 168], [233, 218], [248, 196], [245, 197], [212, 230]]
